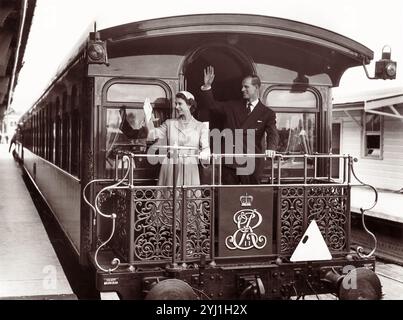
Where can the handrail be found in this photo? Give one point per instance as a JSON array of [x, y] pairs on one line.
[[276, 161], [127, 182], [95, 208], [360, 250], [246, 155]]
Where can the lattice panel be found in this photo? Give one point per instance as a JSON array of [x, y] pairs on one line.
[[291, 209], [153, 223], [198, 215], [298, 206], [328, 206], [153, 216]]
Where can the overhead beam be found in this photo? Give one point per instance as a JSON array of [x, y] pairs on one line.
[[398, 116], [379, 103], [359, 123]]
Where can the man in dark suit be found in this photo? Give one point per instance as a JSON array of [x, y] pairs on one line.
[[245, 123]]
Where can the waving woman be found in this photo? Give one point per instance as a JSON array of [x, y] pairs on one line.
[[184, 135]]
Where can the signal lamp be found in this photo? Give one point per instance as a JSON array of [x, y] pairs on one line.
[[384, 68], [96, 50]]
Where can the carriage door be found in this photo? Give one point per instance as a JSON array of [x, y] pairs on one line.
[[230, 67]]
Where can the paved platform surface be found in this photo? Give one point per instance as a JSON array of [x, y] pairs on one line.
[[389, 206], [29, 267]]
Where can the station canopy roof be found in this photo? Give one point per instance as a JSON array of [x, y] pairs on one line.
[[387, 102], [15, 23]]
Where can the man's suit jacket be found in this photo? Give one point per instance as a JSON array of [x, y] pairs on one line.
[[261, 120]]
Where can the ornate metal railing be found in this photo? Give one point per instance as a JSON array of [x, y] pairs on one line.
[[175, 224], [327, 205]]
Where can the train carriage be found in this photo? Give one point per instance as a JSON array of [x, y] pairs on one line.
[[153, 242]]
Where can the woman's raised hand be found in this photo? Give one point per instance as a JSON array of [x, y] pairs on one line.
[[148, 109]]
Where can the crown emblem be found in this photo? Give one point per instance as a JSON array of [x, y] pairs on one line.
[[246, 201]]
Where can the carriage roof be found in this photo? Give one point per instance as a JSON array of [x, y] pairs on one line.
[[298, 46]]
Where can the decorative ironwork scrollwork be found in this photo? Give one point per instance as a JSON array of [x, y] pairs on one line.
[[122, 222], [154, 223], [291, 217], [198, 226], [327, 206]]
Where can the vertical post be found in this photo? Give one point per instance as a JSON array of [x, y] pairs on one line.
[[279, 220], [349, 169], [316, 167], [220, 171], [348, 217], [272, 171], [116, 167], [212, 223], [131, 170], [175, 164], [183, 220], [132, 223], [305, 168], [279, 170], [212, 211], [344, 169], [213, 167], [305, 212], [329, 166]]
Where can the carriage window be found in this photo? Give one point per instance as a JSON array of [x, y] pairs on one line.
[[133, 92], [50, 136], [125, 126], [373, 136], [65, 148], [124, 135], [286, 99], [75, 142], [297, 132], [125, 118], [296, 114]]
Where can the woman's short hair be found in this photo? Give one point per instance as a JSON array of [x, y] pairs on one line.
[[189, 101]]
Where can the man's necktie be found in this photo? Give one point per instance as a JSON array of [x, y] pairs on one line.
[[249, 108]]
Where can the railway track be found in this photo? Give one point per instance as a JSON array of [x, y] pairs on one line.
[[389, 236]]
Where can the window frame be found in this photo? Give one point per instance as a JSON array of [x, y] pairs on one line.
[[133, 105], [133, 81], [317, 110], [364, 134]]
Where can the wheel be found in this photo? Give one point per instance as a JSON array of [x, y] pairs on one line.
[[171, 289], [360, 284]]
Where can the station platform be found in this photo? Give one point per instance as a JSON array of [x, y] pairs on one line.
[[385, 220], [29, 267], [389, 206]]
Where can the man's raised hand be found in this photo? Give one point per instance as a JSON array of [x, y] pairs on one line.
[[208, 76]]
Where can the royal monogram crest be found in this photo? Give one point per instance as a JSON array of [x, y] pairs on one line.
[[246, 201], [246, 220]]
